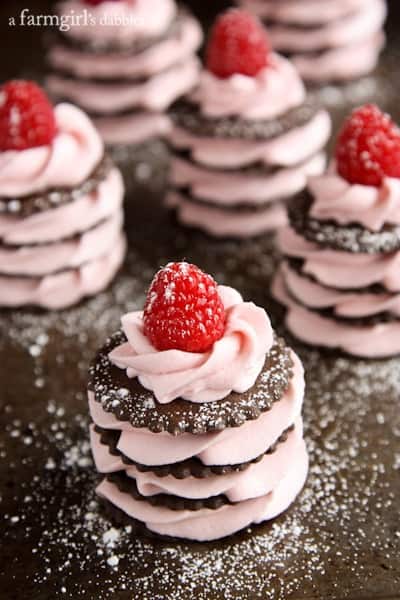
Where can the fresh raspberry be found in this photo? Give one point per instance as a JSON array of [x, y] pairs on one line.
[[368, 147], [26, 116], [238, 44], [183, 310]]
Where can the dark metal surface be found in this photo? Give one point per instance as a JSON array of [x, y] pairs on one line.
[[342, 537]]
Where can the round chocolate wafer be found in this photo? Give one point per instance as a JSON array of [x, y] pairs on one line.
[[191, 467], [349, 238], [187, 115], [26, 206], [127, 485], [129, 401]]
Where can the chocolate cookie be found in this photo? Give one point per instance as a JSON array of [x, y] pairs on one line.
[[129, 401], [185, 114], [347, 238], [128, 485], [191, 467]]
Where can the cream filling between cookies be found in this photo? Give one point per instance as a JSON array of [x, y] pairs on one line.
[[68, 219], [207, 524]]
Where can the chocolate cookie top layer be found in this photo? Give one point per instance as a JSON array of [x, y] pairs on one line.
[[26, 206], [103, 46], [129, 401], [187, 115], [348, 238], [191, 467]]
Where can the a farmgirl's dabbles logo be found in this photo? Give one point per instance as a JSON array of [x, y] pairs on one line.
[[66, 22]]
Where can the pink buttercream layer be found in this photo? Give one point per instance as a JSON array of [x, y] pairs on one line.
[[305, 12], [134, 128], [286, 150], [66, 220], [155, 94], [230, 446], [374, 341], [227, 223], [68, 161], [257, 480], [66, 288], [345, 304], [274, 91], [43, 259], [342, 63], [227, 189], [233, 363], [162, 55], [342, 270], [207, 524], [122, 22], [356, 27], [337, 199]]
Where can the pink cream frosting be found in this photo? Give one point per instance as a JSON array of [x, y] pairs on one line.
[[158, 57], [66, 220], [134, 128], [274, 91], [230, 446], [155, 94], [374, 341], [43, 259], [286, 150], [342, 270], [257, 480], [356, 27], [228, 189], [306, 12], [66, 288], [220, 222], [372, 207], [208, 524], [341, 63], [122, 22], [345, 304], [233, 363], [67, 162]]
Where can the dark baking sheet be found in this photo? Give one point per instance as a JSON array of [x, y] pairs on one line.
[[342, 537]]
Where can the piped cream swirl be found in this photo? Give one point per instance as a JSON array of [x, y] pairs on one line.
[[233, 363]]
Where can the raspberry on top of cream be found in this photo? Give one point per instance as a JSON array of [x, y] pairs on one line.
[[42, 147], [195, 340], [363, 183], [243, 77]]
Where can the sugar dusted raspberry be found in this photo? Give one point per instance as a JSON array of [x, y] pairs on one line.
[[26, 116], [238, 44], [183, 309], [368, 147]]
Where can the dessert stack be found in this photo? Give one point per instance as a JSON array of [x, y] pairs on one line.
[[196, 409], [125, 63], [340, 277], [60, 202], [333, 40], [246, 139]]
